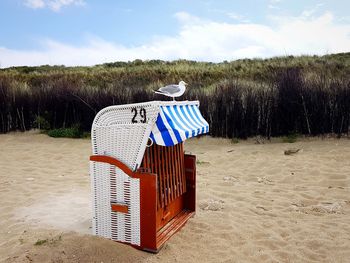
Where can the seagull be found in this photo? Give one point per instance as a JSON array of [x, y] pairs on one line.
[[173, 90]]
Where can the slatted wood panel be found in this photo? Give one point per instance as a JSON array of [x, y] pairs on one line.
[[168, 164]]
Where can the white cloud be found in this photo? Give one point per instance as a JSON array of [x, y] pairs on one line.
[[35, 4], [54, 5], [307, 13], [186, 18], [317, 35], [238, 17], [273, 4], [203, 40], [273, 7], [312, 11]]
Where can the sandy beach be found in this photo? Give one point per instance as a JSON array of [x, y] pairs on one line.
[[254, 203]]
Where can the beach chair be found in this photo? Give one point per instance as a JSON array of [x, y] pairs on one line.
[[143, 185]]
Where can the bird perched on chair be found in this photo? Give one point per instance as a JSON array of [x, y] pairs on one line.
[[173, 90]]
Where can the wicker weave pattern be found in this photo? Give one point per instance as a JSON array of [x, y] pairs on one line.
[[101, 200], [111, 185], [114, 134], [125, 190], [122, 143]]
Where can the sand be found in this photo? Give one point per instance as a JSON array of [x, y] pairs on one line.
[[254, 203]]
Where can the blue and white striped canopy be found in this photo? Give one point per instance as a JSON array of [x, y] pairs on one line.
[[176, 123]]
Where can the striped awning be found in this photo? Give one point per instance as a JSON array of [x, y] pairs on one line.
[[176, 123]]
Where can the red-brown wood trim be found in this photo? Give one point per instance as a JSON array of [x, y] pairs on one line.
[[160, 176], [172, 183], [174, 208], [119, 208], [148, 210], [166, 177], [190, 173], [172, 227], [178, 167], [172, 171], [182, 163], [175, 167], [166, 174], [113, 161]]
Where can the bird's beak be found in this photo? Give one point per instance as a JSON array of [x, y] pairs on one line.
[[186, 83]]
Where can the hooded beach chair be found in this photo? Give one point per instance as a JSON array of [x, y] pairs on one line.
[[143, 185]]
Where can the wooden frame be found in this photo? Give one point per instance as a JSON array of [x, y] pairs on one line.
[[167, 199]]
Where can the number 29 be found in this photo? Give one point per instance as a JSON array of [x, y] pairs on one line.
[[142, 113]]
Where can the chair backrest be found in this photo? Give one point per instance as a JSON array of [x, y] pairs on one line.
[[122, 131]]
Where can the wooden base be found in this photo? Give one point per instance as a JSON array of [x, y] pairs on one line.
[[167, 231], [158, 225], [172, 227]]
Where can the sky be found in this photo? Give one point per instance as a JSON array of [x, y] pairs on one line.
[[89, 32]]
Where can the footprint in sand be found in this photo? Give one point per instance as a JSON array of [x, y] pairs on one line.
[[264, 180], [230, 179], [212, 205], [320, 209]]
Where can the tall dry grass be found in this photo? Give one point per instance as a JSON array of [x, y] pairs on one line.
[[272, 97]]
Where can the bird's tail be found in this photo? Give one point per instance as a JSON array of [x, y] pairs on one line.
[[159, 92]]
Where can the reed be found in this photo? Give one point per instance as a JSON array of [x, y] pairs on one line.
[[273, 97]]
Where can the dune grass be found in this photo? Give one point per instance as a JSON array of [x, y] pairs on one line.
[[243, 98]]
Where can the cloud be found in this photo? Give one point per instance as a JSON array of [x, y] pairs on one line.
[[187, 19], [35, 4], [273, 4], [314, 35], [238, 17], [199, 39], [273, 7], [54, 5]]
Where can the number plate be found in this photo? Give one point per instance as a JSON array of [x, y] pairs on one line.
[[139, 115]]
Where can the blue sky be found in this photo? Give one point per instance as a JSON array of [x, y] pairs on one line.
[[88, 32]]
